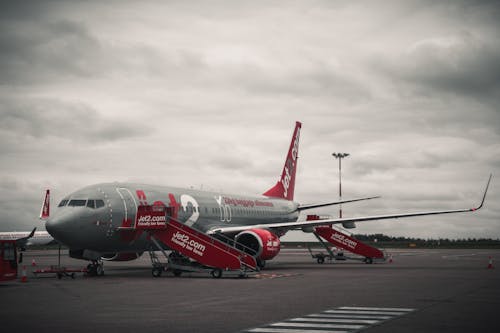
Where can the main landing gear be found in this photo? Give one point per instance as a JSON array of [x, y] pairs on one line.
[[95, 268]]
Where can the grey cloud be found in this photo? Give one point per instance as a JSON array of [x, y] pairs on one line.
[[41, 118], [318, 80], [39, 52], [460, 64]]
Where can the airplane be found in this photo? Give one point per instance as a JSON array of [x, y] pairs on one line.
[[95, 222], [32, 238]]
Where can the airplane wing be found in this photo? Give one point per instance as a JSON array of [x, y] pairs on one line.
[[311, 206], [21, 242], [285, 226]]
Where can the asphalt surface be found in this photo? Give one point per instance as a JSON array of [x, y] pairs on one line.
[[446, 290]]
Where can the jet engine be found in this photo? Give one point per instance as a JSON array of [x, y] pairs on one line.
[[261, 243], [122, 256]]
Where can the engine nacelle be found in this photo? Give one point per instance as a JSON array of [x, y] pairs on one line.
[[265, 244], [123, 256]]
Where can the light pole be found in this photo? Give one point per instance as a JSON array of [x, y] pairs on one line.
[[340, 156]]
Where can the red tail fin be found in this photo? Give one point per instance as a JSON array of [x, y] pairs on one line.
[[285, 186], [44, 213]]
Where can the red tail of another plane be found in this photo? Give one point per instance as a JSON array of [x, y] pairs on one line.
[[45, 211], [284, 188]]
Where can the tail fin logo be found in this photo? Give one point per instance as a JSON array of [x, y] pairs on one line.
[[285, 187], [290, 164]]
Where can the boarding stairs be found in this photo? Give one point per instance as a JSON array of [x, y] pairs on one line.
[[204, 251], [343, 240]]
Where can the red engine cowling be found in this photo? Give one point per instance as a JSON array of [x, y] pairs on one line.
[[124, 256], [265, 244]]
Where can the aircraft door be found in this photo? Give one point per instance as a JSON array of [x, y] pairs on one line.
[[129, 206]]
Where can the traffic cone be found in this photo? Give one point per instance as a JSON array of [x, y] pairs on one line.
[[24, 278], [33, 262], [490, 263]]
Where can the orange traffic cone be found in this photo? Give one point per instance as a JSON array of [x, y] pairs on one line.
[[490, 263], [24, 278], [33, 262]]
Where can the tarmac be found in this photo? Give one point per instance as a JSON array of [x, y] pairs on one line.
[[420, 291]]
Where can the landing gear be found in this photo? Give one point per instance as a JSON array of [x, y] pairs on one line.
[[261, 263], [95, 268], [368, 260], [157, 271], [216, 273]]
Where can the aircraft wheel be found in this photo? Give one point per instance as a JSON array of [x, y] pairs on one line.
[[156, 272], [261, 263], [59, 276], [91, 270], [320, 260], [216, 273], [368, 260], [177, 272], [99, 270]]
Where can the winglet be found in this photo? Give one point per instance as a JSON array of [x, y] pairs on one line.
[[32, 233], [284, 188], [45, 211], [484, 195]]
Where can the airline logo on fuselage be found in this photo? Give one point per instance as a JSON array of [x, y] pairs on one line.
[[151, 221], [290, 163], [246, 203]]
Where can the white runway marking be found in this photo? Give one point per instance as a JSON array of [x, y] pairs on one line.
[[315, 325], [339, 320], [376, 309], [327, 315], [290, 330], [336, 320]]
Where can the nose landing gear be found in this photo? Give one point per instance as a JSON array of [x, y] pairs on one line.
[[95, 268]]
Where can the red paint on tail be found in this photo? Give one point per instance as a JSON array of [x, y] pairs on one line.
[[285, 187], [45, 212]]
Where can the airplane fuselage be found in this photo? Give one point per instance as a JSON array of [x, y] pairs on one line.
[[91, 217]]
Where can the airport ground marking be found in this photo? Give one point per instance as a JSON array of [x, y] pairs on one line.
[[346, 319]]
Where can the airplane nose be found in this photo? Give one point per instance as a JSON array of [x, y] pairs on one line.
[[51, 225], [57, 227]]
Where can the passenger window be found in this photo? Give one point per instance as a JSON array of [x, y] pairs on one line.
[[91, 204], [77, 203], [99, 203], [63, 203]]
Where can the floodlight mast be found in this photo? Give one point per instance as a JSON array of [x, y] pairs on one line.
[[340, 156]]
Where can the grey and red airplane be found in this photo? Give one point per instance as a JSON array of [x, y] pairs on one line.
[[95, 222]]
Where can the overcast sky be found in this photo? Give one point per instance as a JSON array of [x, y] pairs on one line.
[[206, 94]]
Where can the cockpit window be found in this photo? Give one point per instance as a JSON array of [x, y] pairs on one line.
[[63, 203], [90, 203], [77, 203]]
